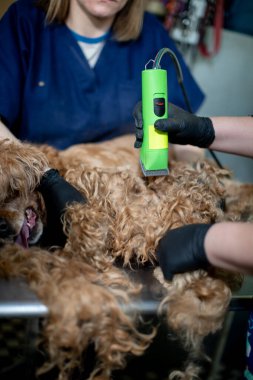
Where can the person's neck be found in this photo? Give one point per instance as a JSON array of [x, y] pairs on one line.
[[85, 24]]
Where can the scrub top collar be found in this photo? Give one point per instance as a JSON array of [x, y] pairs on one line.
[[105, 61]]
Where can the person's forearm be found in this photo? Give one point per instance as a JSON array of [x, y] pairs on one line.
[[229, 245], [233, 135], [5, 133]]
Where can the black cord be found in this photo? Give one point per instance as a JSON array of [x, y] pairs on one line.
[[186, 99], [188, 105]]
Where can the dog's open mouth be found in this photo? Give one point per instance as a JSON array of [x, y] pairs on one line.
[[27, 227]]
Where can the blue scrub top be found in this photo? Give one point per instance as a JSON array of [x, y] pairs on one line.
[[49, 94]]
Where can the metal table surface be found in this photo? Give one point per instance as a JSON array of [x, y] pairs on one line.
[[17, 299]]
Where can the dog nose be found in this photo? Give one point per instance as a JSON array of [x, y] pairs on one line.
[[5, 229]]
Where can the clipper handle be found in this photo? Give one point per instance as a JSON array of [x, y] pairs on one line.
[[154, 150]]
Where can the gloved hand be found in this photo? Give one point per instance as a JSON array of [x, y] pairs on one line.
[[137, 114], [182, 127], [57, 194], [182, 250]]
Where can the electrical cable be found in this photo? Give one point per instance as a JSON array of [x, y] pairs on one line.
[[156, 65]]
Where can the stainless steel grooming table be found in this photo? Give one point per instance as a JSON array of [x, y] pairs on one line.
[[17, 299]]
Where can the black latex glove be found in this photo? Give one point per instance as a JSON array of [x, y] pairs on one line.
[[57, 194], [182, 127], [137, 114], [182, 250]]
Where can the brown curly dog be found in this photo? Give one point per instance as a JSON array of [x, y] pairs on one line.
[[86, 290]]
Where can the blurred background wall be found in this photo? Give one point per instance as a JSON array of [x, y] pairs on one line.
[[227, 80]]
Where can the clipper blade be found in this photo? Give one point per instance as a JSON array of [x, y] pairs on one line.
[[153, 173]]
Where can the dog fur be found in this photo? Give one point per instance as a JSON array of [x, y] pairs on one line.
[[85, 284]]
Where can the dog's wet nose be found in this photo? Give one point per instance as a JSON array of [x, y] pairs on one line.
[[5, 229]]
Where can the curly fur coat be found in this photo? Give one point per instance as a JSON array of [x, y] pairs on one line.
[[87, 291]]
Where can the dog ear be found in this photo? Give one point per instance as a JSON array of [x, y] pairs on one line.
[[21, 168]]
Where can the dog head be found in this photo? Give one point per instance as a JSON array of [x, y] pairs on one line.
[[22, 209], [21, 168]]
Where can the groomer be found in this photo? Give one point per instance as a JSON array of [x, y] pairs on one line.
[[70, 70]]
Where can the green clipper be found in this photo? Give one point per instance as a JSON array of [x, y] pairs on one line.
[[154, 150]]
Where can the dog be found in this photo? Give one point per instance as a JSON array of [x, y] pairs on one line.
[[85, 284]]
